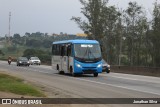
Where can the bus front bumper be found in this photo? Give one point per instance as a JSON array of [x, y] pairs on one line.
[[88, 70]]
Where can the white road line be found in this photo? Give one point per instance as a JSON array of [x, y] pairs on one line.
[[132, 79], [103, 83], [108, 84], [117, 86]]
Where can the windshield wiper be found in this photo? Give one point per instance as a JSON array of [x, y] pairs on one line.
[[85, 53], [89, 51]]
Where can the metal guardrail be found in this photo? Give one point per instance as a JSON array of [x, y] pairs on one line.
[[147, 71]]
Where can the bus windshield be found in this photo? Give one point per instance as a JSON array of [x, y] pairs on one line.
[[87, 52]]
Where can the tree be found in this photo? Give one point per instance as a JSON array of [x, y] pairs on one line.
[[100, 24], [16, 36], [34, 43], [156, 35], [140, 41], [47, 43], [16, 39], [1, 52], [93, 10], [132, 16], [112, 19], [27, 34]]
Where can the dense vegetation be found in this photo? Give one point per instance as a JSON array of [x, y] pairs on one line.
[[35, 44], [128, 37]]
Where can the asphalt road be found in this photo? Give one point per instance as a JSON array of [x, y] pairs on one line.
[[113, 85]]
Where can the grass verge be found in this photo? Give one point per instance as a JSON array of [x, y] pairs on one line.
[[16, 85]]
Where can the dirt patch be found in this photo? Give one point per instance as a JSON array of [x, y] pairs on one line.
[[9, 95], [50, 92]]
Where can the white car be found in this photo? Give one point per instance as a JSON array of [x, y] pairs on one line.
[[34, 60]]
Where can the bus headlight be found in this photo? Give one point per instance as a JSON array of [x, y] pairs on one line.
[[78, 65], [99, 65]]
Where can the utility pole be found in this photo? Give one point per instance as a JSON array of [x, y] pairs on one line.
[[9, 29]]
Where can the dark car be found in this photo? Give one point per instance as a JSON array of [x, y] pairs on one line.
[[106, 66], [22, 61]]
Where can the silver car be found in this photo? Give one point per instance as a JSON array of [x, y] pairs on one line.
[[106, 66], [35, 60]]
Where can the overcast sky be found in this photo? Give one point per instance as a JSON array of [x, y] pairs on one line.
[[48, 16]]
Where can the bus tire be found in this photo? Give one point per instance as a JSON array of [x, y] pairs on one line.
[[74, 75], [61, 72], [57, 67], [71, 71], [95, 74]]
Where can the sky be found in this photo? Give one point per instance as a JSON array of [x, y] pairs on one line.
[[49, 16]]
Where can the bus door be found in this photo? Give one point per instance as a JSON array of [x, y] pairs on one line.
[[64, 59], [61, 57], [68, 56]]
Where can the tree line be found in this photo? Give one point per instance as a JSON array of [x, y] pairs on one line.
[[33, 44], [38, 39], [127, 36]]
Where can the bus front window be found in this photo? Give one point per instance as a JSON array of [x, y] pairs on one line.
[[87, 52]]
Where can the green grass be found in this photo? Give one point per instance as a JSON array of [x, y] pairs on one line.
[[15, 85]]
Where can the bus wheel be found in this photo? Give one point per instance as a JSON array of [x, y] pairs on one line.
[[95, 74], [74, 75], [57, 67], [61, 72], [71, 71]]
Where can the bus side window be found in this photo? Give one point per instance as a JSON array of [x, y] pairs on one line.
[[62, 50], [58, 50], [69, 50], [53, 48], [65, 50]]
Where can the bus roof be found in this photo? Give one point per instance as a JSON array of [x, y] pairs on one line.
[[77, 41]]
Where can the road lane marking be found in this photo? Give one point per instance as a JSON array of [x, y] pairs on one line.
[[108, 84], [132, 79], [117, 86], [100, 83], [111, 85]]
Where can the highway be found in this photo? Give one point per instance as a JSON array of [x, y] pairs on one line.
[[113, 85]]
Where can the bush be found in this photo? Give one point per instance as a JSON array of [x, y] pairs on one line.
[[12, 48], [45, 57], [1, 52]]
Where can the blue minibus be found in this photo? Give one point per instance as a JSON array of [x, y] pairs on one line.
[[77, 57]]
